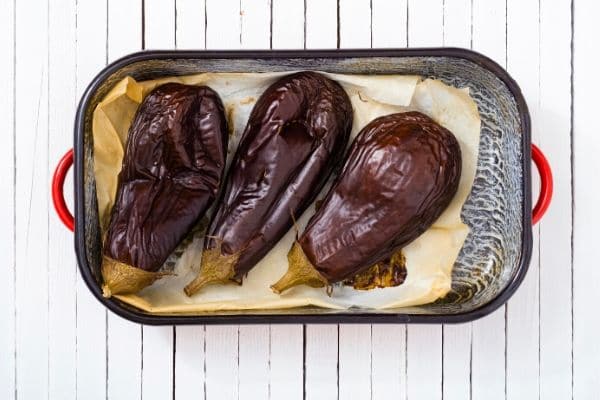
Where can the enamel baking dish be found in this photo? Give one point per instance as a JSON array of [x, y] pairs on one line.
[[496, 254]]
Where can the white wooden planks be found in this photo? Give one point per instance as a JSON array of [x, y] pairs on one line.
[[255, 340], [158, 341], [91, 315], [389, 23], [62, 270], [388, 362], [457, 353], [286, 342], [286, 368], [425, 23], [388, 342], [424, 342], [190, 344], [522, 317], [255, 24], [321, 24], [554, 137], [586, 197], [288, 24], [457, 339], [457, 17], [222, 24], [157, 362], [354, 347], [254, 371], [190, 23], [123, 338], [355, 24], [7, 205], [321, 362], [189, 362], [489, 337], [222, 342], [124, 31], [159, 24], [31, 200], [222, 362], [321, 341], [71, 348], [355, 362]]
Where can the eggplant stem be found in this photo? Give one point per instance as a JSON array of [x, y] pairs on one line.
[[121, 278], [214, 268], [300, 272]]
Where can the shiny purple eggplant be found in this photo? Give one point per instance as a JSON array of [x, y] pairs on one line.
[[296, 134], [172, 169], [401, 173]]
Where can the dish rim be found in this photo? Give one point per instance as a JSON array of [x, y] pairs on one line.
[[293, 316]]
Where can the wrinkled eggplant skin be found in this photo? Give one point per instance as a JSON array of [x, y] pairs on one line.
[[296, 134], [172, 169], [401, 173]]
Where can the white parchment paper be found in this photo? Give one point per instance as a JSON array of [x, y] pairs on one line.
[[429, 259]]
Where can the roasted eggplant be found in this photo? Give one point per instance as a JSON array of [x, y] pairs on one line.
[[401, 173], [172, 169], [295, 135]]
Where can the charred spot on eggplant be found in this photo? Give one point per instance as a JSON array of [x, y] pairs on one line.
[[401, 173], [171, 173], [295, 136], [386, 273]]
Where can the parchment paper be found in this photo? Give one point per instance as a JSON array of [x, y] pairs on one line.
[[429, 259]]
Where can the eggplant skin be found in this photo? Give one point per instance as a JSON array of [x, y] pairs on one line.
[[401, 173], [172, 170], [295, 136]]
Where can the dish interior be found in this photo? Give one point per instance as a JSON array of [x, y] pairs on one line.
[[491, 257]]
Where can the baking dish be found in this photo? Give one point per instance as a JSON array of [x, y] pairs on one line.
[[496, 254]]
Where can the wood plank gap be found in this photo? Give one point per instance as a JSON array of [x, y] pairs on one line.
[[76, 291], [505, 33], [141, 356], [106, 336], [571, 133], [204, 328], [15, 194], [304, 361], [338, 46], [143, 24], [174, 330], [106, 354], [175, 39], [506, 350], [506, 305], [269, 365], [471, 45], [407, 30], [47, 202], [304, 24], [238, 361], [539, 231], [471, 355], [271, 25], [371, 41], [443, 325], [371, 327], [443, 44], [338, 342]]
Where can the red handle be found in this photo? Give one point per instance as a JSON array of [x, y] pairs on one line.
[[546, 184], [58, 195]]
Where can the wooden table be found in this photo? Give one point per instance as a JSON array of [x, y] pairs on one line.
[[57, 342]]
